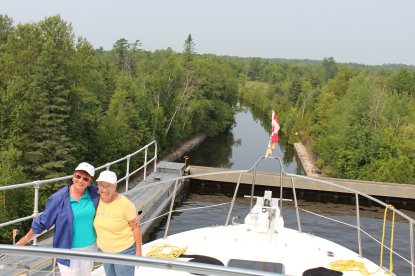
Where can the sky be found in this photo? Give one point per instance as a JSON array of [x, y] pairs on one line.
[[371, 32]]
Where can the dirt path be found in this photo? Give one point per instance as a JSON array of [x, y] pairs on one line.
[[306, 161]]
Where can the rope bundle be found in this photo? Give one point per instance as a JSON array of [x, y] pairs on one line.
[[166, 251], [352, 265]]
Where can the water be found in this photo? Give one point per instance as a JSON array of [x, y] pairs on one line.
[[239, 148]]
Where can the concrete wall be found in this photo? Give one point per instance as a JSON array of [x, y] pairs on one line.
[[404, 191]]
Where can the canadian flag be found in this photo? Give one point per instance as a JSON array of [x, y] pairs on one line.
[[275, 127]]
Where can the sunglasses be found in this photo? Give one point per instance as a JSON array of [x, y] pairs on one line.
[[108, 188], [84, 178]]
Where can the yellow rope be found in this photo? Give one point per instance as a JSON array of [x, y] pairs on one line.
[[392, 238], [352, 265], [166, 251], [349, 265]]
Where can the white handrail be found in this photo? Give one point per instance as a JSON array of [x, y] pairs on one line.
[[291, 176], [38, 183], [190, 267]]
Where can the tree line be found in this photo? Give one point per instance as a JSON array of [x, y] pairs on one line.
[[63, 102], [358, 120]]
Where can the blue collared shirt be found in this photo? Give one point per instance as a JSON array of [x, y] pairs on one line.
[[58, 212]]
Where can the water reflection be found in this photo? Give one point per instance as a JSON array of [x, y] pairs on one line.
[[242, 145]]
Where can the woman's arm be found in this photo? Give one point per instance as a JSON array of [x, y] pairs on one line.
[[26, 238], [135, 225], [43, 222]]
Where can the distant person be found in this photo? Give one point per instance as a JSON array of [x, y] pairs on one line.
[[116, 224], [71, 210]]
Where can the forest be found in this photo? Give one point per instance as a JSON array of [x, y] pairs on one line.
[[359, 121], [63, 102]]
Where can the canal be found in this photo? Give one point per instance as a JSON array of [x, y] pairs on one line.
[[239, 148], [242, 145]]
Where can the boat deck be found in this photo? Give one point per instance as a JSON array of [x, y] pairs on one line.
[[293, 252]]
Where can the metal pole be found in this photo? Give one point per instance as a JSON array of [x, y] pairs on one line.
[[359, 238], [155, 156], [171, 209], [36, 206], [233, 199], [296, 205], [253, 187], [127, 175], [145, 163]]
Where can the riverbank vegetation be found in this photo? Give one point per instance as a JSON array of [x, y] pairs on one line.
[[358, 120], [63, 102]]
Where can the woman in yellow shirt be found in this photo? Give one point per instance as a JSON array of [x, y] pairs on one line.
[[115, 224]]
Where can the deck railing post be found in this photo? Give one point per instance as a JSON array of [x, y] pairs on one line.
[[155, 156], [173, 196], [359, 238], [233, 199], [296, 205], [145, 163], [36, 206], [127, 174], [253, 188]]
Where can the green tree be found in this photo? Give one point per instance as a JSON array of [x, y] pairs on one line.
[[330, 68], [6, 26], [188, 52], [88, 98], [403, 82], [51, 150]]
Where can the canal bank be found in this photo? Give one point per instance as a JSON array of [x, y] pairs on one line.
[[184, 147], [306, 161]]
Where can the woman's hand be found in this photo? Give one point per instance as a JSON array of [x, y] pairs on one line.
[[23, 241], [26, 238]]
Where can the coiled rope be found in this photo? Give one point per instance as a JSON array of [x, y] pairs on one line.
[[349, 265], [352, 265], [166, 251]]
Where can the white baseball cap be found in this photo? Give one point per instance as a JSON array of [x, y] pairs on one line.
[[108, 176], [84, 166]]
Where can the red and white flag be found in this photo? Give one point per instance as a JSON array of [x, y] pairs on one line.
[[275, 127]]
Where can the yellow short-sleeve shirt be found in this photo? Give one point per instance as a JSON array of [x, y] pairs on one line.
[[114, 234]]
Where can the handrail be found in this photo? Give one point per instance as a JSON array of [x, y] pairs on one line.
[[292, 177], [190, 267], [38, 183]]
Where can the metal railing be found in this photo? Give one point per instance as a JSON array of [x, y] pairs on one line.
[[37, 184], [356, 194], [200, 269]]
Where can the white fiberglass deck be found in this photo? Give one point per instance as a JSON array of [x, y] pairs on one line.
[[296, 251]]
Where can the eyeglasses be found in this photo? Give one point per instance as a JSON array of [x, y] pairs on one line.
[[84, 178], [108, 188]]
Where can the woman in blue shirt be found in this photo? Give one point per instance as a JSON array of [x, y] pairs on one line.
[[71, 210]]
